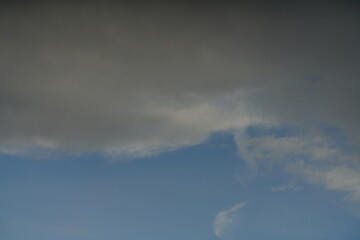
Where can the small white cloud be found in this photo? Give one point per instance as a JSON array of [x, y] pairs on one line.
[[225, 219], [285, 187]]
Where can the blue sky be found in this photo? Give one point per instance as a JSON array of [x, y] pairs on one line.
[[174, 195], [179, 120]]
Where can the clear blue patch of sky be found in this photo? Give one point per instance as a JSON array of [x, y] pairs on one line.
[[174, 195]]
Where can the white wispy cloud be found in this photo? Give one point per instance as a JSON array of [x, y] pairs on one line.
[[225, 219], [285, 187], [342, 177], [314, 156]]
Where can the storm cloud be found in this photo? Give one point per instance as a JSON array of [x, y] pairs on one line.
[[140, 79]]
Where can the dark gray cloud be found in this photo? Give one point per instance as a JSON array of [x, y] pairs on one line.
[[144, 78]]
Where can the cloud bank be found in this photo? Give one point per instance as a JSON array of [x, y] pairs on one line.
[[141, 79]]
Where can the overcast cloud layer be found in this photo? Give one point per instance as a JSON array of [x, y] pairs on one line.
[[141, 79]]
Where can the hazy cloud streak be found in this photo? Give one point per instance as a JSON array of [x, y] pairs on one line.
[[225, 219]]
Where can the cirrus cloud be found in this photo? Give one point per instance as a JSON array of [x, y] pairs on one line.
[[225, 219]]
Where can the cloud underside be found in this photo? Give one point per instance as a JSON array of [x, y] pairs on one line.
[[138, 80]]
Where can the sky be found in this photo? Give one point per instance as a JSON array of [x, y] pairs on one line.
[[178, 120]]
